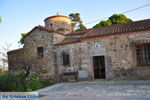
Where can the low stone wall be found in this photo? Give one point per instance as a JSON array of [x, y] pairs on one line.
[[14, 60], [136, 73]]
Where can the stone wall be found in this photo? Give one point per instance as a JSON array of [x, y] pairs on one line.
[[41, 38], [59, 23], [117, 50], [58, 38], [45, 66], [14, 60], [79, 58], [138, 73], [120, 55]]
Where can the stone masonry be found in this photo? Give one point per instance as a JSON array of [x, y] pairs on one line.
[[56, 38]]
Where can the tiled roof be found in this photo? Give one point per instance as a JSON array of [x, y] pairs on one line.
[[136, 26], [68, 41], [119, 29], [73, 40], [78, 32], [42, 28]]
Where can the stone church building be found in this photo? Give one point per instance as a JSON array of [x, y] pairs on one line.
[[120, 51]]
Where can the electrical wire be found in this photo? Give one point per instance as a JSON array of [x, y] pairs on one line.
[[121, 13]]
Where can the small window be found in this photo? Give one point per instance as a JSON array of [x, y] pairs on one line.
[[66, 61], [51, 24], [143, 54], [46, 24], [40, 52]]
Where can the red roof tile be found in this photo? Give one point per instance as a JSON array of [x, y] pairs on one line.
[[136, 26], [78, 32], [119, 29], [68, 41], [42, 28]]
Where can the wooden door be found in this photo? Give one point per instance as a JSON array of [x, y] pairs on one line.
[[99, 67]]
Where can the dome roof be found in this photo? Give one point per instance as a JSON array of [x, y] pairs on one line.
[[57, 15]]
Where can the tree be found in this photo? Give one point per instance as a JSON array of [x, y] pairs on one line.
[[30, 65], [0, 19], [119, 18], [3, 56], [114, 19], [103, 23], [76, 21], [22, 38], [81, 26]]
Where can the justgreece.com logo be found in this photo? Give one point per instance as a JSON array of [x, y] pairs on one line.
[[19, 96]]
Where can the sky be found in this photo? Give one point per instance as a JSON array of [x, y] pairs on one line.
[[20, 16]]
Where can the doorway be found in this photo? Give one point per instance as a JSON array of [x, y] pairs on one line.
[[99, 67]]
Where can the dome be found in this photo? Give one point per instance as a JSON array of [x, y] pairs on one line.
[[57, 15], [58, 23]]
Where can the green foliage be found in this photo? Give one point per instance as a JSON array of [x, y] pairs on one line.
[[114, 19], [22, 38], [3, 71], [73, 25], [75, 17], [81, 26], [119, 18], [9, 82], [66, 38], [103, 23], [0, 19], [76, 21]]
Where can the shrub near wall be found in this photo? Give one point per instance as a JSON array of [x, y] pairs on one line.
[[9, 82]]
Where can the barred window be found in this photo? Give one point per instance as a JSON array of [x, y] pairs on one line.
[[40, 52], [143, 54], [66, 60]]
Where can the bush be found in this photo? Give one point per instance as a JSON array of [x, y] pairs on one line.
[[9, 82], [2, 71]]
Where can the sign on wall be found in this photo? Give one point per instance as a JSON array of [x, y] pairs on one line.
[[83, 74], [98, 49], [97, 44]]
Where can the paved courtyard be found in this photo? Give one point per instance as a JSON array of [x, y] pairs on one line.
[[98, 90]]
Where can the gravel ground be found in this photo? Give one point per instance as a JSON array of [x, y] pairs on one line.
[[98, 90]]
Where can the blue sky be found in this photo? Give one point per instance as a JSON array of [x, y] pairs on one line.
[[20, 16]]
